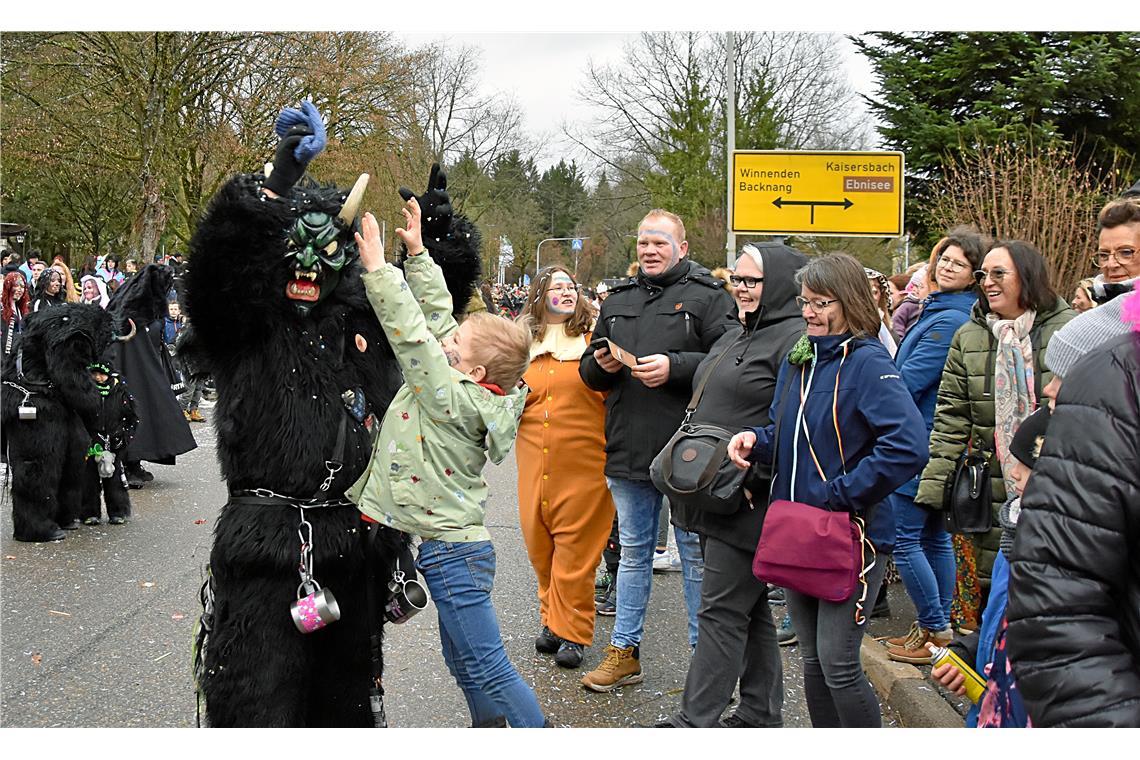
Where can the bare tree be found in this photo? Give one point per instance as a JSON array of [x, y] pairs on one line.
[[453, 117], [1038, 194], [812, 103], [806, 93], [664, 104]]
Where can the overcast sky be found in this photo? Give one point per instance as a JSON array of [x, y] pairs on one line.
[[544, 71]]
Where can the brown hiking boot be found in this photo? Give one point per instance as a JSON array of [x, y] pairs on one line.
[[619, 668], [899, 641], [196, 416], [914, 650]]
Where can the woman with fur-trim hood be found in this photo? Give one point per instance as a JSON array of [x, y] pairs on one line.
[[94, 290]]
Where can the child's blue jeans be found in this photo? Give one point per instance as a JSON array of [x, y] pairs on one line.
[[459, 577]]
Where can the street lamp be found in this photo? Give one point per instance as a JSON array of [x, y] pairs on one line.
[[538, 247]]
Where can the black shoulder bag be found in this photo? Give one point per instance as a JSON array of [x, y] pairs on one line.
[[966, 498], [693, 468]]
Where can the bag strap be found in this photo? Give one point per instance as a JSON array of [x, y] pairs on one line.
[[696, 399], [776, 441], [864, 568], [834, 417]]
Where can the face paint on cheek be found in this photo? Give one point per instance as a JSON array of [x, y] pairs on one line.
[[674, 249], [452, 357]]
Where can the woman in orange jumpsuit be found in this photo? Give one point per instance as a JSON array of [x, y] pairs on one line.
[[565, 507]]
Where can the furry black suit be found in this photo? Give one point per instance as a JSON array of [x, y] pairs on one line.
[[283, 428], [46, 454]]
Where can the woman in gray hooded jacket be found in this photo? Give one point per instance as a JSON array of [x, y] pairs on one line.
[[736, 638]]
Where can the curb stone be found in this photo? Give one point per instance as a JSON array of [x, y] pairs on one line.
[[903, 686]]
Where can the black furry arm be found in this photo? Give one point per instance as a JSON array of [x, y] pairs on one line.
[[451, 238], [233, 283], [72, 380]]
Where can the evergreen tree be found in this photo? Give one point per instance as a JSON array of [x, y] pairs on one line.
[[944, 94]]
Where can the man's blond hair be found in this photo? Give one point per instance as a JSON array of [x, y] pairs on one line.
[[501, 346], [660, 212]]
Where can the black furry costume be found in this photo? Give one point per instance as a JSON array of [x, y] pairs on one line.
[[282, 365], [46, 454]]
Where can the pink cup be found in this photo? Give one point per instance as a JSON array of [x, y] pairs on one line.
[[315, 611]]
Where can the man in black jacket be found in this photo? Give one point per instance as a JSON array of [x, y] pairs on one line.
[[1074, 598], [668, 317]]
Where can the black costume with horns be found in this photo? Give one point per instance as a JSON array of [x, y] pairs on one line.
[[47, 447], [303, 373]]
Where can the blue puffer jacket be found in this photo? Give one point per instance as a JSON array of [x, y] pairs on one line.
[[922, 355], [884, 441]]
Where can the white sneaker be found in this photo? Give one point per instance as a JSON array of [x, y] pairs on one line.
[[667, 562]]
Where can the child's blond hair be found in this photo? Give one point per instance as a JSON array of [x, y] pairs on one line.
[[501, 346]]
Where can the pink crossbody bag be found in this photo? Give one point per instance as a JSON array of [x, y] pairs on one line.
[[814, 551]]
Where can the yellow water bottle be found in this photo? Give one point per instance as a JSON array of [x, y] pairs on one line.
[[975, 684]]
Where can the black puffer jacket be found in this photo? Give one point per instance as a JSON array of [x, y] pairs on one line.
[[1074, 592], [739, 392], [680, 313]]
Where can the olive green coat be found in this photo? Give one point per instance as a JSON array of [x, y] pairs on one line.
[[965, 411]]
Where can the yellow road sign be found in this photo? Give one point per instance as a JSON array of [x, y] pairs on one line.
[[842, 193]]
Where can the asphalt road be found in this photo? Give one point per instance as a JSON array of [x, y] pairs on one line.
[[96, 630]]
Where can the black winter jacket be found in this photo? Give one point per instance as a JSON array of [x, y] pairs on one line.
[[739, 392], [680, 313], [1074, 592]]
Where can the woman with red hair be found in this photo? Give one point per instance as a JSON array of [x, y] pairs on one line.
[[14, 297]]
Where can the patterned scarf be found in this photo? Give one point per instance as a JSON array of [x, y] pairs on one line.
[[1014, 398]]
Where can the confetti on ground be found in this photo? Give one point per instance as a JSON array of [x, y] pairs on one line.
[[199, 522], [9, 556], [57, 612], [163, 656], [147, 584], [177, 616], [37, 658]]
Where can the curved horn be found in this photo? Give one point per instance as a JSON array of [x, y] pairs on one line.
[[130, 335], [352, 203]]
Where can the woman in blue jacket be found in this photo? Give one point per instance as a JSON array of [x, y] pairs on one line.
[[849, 434], [923, 551]]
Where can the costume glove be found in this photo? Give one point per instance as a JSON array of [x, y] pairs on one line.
[[302, 135], [435, 206]]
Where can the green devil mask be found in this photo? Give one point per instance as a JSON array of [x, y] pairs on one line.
[[319, 246]]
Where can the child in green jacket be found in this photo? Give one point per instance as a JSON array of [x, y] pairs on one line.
[[458, 406]]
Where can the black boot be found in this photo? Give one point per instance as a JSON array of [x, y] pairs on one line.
[[134, 473]]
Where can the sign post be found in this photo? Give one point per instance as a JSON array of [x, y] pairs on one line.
[[835, 193]]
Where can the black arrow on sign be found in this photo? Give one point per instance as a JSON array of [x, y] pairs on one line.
[[780, 203]]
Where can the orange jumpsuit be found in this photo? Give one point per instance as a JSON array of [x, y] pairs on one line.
[[565, 507]]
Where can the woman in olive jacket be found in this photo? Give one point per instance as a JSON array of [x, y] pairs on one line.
[[736, 638], [1074, 592], [1013, 281]]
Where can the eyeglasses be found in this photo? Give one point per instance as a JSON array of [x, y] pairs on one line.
[[953, 265], [1122, 255], [748, 282], [997, 274], [818, 305]]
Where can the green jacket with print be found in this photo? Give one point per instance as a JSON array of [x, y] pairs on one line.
[[425, 476], [965, 412]]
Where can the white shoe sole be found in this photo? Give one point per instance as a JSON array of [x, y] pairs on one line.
[[603, 689]]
